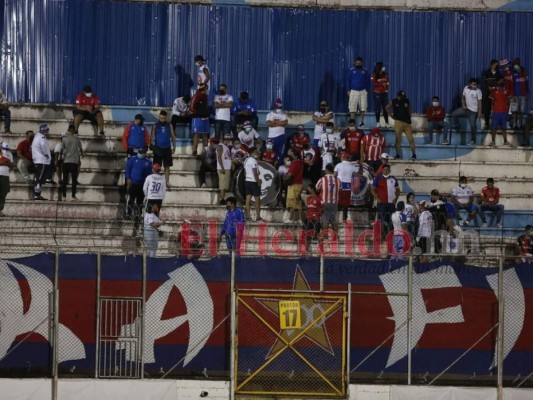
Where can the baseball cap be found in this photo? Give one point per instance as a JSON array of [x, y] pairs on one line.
[[44, 128], [345, 154], [504, 62], [434, 192], [139, 117], [199, 57], [5, 145], [278, 103], [143, 150], [385, 155], [156, 167]]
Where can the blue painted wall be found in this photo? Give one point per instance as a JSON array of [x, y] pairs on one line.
[[143, 52]]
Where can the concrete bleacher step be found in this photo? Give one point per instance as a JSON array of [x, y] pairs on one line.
[[417, 184]]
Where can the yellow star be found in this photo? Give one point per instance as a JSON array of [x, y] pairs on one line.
[[311, 307]]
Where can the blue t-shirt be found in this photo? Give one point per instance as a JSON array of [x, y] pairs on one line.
[[162, 135]]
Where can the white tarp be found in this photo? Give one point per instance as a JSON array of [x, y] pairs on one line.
[[442, 393], [517, 394], [84, 389], [25, 389]]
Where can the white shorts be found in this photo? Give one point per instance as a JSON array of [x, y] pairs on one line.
[[358, 98]]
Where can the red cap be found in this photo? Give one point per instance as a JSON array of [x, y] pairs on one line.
[[156, 167]]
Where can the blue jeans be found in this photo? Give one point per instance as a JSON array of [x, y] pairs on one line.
[[221, 128], [7, 117], [279, 147], [496, 209], [472, 120], [385, 211], [439, 126]]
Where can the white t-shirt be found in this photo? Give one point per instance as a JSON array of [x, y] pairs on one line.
[[154, 187], [248, 139], [226, 157], [277, 130], [345, 169], [319, 128], [4, 169], [201, 77], [398, 218], [471, 98], [58, 149], [329, 142], [249, 165], [425, 222], [410, 212], [462, 195], [150, 218], [223, 114]]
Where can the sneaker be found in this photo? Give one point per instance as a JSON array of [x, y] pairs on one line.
[[498, 225], [194, 153], [492, 144], [387, 126], [461, 222], [7, 132], [378, 125], [508, 125], [484, 225], [203, 186], [362, 125], [74, 198], [51, 182], [507, 144], [467, 222], [446, 142], [413, 157], [39, 198], [102, 133], [472, 143], [259, 220]]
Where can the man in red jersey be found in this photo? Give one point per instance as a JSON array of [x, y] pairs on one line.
[[372, 146], [312, 215], [500, 107], [269, 154], [436, 114], [328, 186], [352, 140], [294, 180], [490, 201], [298, 139], [88, 108]]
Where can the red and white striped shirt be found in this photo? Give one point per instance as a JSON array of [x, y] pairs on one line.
[[328, 186], [374, 145]]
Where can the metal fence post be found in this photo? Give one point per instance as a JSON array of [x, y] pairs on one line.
[[321, 284], [55, 325], [348, 337], [501, 332], [98, 311], [142, 319], [233, 305], [409, 316]]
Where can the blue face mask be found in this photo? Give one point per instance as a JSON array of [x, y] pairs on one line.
[[140, 155]]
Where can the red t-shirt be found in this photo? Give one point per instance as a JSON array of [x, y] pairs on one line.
[[437, 113], [374, 146], [490, 196], [296, 169], [314, 207], [500, 98], [297, 142], [381, 83], [24, 147], [269, 156], [352, 140], [82, 100]]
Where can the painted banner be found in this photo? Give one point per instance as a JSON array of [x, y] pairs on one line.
[[187, 313]]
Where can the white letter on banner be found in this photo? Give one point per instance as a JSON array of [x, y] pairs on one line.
[[200, 314], [396, 281]]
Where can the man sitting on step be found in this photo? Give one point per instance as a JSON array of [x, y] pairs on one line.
[[87, 107]]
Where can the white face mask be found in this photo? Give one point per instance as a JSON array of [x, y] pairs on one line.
[[517, 67], [435, 104], [329, 130], [351, 128], [383, 69], [88, 94], [278, 110], [463, 185], [198, 64], [269, 146], [248, 129], [288, 163], [385, 176], [237, 146]]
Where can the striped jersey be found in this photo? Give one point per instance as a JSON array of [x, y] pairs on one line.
[[374, 145], [328, 186]]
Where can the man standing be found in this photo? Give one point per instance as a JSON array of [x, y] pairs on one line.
[[345, 170], [252, 184], [223, 104], [224, 166], [500, 107], [5, 112], [135, 136], [400, 109], [489, 80], [87, 107], [329, 145], [435, 114], [294, 181], [244, 109], [163, 141], [520, 92], [200, 121], [524, 244], [463, 199], [328, 187], [137, 169], [490, 201], [372, 146], [40, 152], [470, 108], [385, 189], [154, 188], [233, 227], [203, 76], [357, 85], [25, 160], [208, 163], [380, 82], [72, 152], [6, 163], [399, 225], [321, 117], [276, 121]]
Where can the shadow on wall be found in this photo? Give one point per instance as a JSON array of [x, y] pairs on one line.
[[332, 91], [184, 81]]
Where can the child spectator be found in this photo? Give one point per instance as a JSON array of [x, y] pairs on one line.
[[312, 215], [424, 230], [294, 180]]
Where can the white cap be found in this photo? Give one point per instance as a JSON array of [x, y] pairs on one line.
[[5, 145], [64, 134], [385, 155]]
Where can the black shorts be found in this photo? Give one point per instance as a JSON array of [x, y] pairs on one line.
[[313, 226], [252, 189], [86, 115], [163, 156]]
